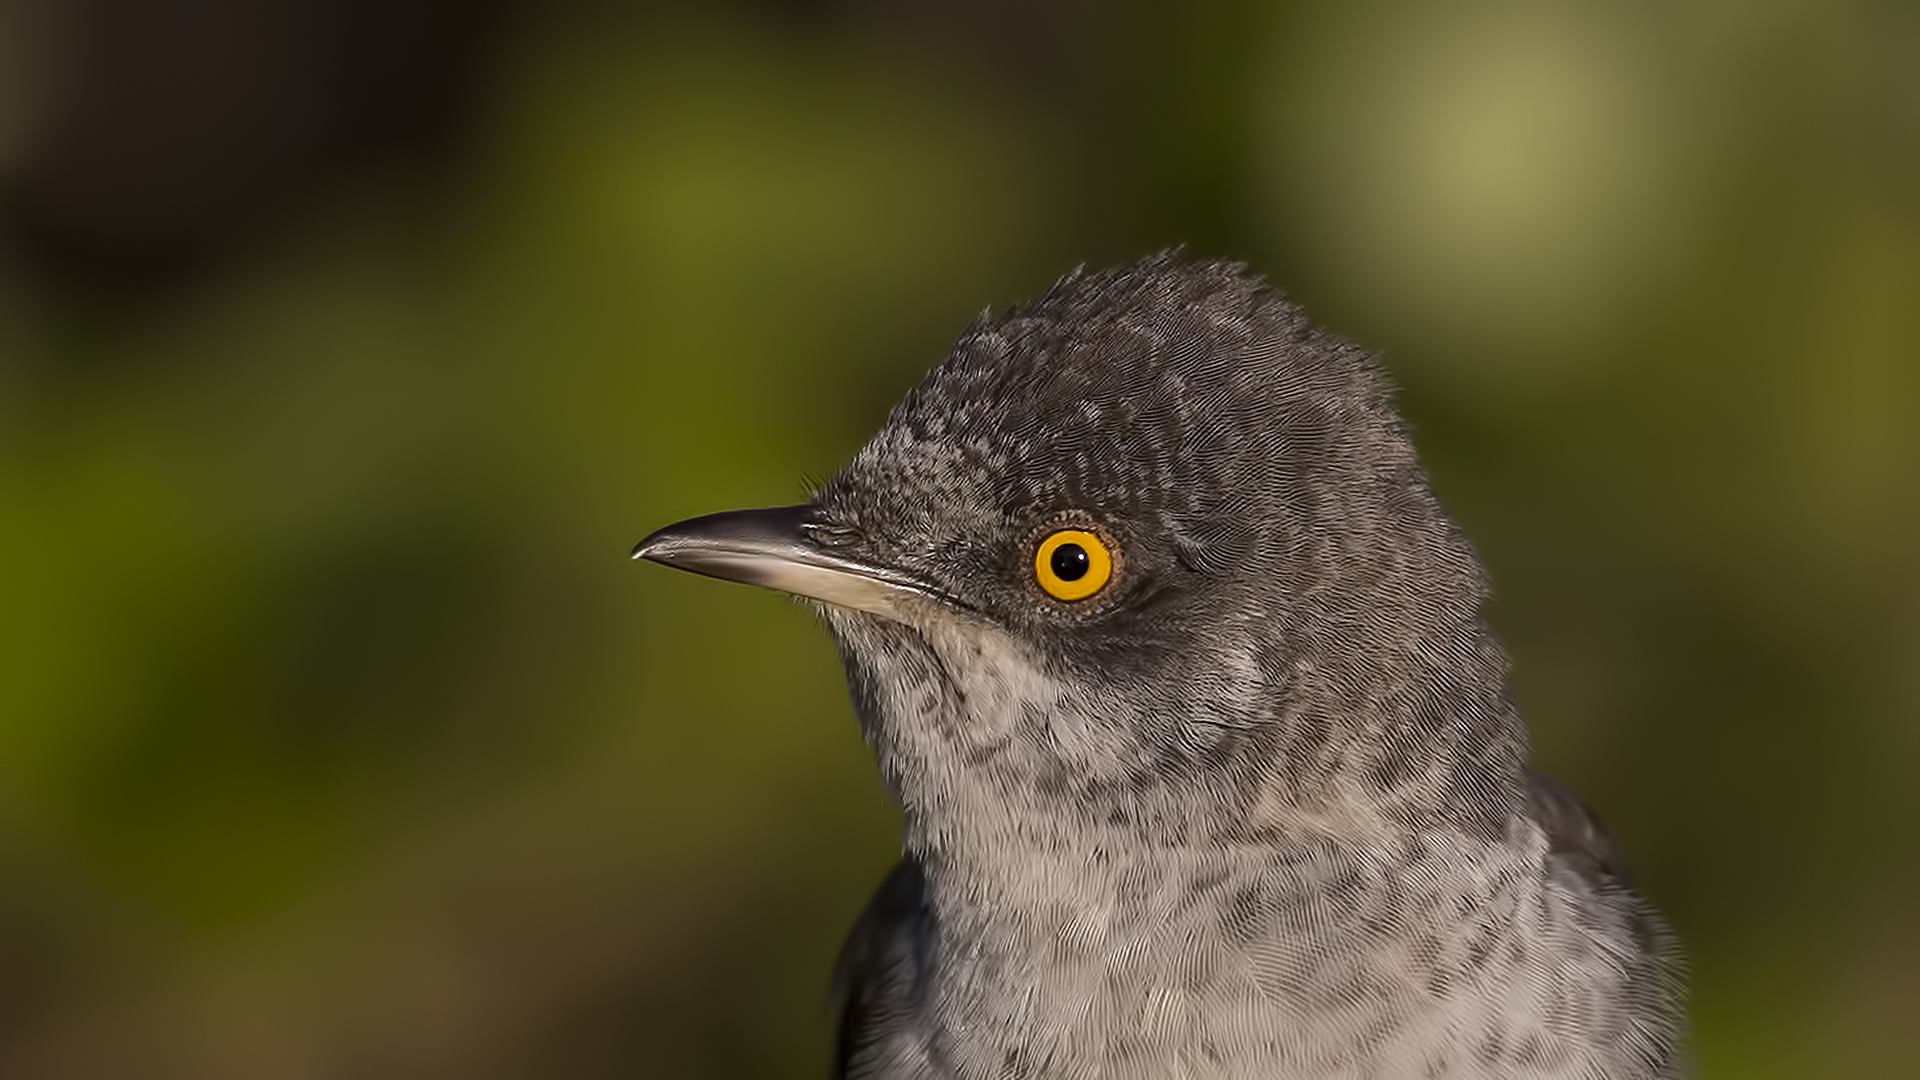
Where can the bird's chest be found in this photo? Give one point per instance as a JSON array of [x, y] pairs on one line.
[[1259, 969]]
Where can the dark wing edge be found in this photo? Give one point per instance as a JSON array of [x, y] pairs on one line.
[[1575, 832], [878, 981], [1582, 843]]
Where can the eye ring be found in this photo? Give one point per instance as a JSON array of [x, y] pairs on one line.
[[1072, 564]]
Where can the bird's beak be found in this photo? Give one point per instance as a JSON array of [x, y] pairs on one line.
[[771, 548]]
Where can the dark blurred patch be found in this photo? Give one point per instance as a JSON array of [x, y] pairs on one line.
[[184, 126]]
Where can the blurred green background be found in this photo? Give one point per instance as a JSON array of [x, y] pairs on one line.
[[346, 347]]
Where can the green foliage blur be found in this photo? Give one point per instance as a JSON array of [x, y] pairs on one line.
[[338, 737]]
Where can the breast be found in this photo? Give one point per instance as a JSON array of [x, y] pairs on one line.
[[1441, 958]]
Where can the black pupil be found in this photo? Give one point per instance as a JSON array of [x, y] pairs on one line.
[[1069, 562]]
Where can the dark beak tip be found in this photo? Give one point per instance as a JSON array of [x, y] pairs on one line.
[[774, 548], [682, 544]]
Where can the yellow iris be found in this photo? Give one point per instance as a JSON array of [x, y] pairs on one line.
[[1072, 564]]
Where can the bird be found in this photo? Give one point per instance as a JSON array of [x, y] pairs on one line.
[[1206, 757]]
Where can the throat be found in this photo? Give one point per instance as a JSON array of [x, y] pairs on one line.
[[1099, 889]]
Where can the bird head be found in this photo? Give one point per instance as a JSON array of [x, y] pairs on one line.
[[1150, 553]]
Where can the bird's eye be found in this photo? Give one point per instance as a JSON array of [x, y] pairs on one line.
[[1072, 564]]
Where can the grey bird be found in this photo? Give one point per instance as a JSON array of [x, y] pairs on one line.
[[1207, 760]]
